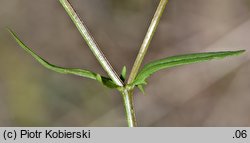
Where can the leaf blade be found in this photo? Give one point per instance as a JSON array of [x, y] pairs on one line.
[[75, 71], [179, 60]]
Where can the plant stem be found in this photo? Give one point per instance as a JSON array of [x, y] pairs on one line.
[[91, 42], [129, 107], [150, 33], [126, 93]]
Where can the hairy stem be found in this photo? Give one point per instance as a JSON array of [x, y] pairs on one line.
[[150, 33], [129, 107], [91, 42]]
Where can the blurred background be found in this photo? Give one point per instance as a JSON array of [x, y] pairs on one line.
[[215, 93]]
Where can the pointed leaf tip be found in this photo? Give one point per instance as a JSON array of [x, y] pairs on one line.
[[141, 88]]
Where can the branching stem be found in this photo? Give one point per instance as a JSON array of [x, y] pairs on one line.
[[126, 93]]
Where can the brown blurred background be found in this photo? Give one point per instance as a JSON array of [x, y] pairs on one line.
[[215, 93]]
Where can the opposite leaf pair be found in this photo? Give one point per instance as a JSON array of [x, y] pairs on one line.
[[145, 72]]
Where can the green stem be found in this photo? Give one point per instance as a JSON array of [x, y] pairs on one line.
[[91, 42], [150, 33], [129, 107]]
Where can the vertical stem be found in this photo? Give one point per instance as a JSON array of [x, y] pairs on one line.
[[150, 33], [129, 107], [91, 42]]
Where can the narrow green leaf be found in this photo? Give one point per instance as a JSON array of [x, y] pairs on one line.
[[123, 73], [169, 62], [80, 72]]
